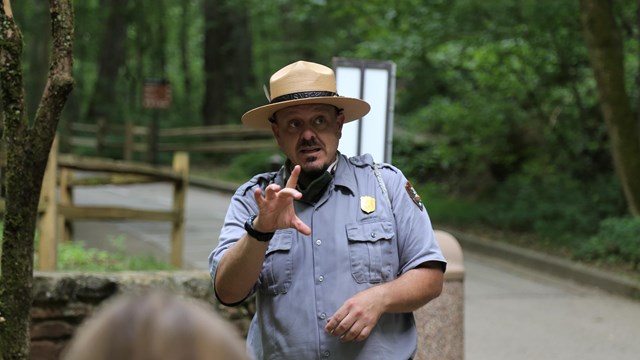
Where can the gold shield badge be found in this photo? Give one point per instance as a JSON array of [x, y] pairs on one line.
[[367, 204]]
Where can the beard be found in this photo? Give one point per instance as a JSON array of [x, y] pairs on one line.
[[308, 175]]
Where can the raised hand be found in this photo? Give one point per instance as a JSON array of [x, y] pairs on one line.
[[275, 208]]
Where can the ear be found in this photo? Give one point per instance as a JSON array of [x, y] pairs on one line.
[[340, 120], [276, 132]]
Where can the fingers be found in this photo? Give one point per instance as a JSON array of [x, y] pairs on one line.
[[293, 179], [348, 329], [273, 192], [275, 208]]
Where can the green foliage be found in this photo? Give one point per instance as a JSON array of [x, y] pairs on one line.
[[495, 103], [244, 167], [555, 206], [448, 210], [618, 240], [75, 256]]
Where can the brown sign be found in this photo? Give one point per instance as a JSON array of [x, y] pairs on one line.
[[157, 94]]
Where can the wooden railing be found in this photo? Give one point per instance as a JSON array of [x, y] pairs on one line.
[[57, 210], [145, 142]]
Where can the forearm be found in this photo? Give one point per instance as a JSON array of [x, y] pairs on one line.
[[411, 290], [239, 269]]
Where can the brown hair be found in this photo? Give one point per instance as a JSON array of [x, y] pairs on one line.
[[156, 326]]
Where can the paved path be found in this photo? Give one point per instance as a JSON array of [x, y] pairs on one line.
[[511, 313], [205, 211]]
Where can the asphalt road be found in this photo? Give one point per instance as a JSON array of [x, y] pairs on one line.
[[511, 312]]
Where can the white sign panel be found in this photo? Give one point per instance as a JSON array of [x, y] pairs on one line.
[[374, 82]]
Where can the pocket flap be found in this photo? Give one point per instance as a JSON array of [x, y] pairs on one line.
[[281, 241], [372, 231]]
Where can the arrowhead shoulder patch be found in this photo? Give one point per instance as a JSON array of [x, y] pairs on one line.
[[414, 195]]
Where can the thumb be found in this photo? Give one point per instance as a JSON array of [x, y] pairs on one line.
[[301, 226]]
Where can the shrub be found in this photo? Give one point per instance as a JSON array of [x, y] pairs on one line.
[[617, 240], [556, 205], [244, 167], [74, 256]]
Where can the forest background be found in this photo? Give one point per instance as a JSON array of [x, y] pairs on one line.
[[497, 117]]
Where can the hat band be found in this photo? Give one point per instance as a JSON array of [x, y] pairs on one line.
[[303, 95]]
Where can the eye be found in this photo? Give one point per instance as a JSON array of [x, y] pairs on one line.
[[293, 124], [320, 122]]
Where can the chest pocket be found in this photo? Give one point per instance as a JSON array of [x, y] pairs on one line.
[[278, 264], [370, 251]]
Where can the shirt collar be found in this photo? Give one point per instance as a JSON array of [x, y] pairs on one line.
[[344, 175]]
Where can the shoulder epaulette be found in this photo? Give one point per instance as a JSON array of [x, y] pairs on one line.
[[262, 180], [362, 160]]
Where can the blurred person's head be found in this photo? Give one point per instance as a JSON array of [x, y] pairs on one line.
[[155, 326]]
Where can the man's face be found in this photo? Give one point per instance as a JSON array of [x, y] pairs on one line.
[[309, 135]]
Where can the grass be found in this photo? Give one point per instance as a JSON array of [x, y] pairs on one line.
[[75, 256]]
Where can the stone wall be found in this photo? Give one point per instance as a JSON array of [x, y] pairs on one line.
[[63, 300]]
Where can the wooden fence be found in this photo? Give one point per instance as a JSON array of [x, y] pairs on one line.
[[57, 210], [146, 142]]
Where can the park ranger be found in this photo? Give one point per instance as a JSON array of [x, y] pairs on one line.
[[338, 250]]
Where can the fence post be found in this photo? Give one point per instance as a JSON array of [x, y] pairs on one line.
[[440, 323], [66, 200], [152, 138], [180, 166], [128, 141], [65, 136], [101, 133], [47, 225]]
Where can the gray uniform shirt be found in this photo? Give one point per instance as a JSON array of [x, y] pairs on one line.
[[353, 246]]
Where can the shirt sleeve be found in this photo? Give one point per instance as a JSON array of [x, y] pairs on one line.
[[241, 207], [416, 240]]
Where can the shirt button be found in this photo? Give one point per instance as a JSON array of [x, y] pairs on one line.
[[318, 242], [326, 353], [321, 278], [323, 316], [373, 234]]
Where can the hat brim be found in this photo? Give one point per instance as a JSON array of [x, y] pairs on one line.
[[353, 108]]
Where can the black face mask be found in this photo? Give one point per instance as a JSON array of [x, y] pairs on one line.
[[312, 191]]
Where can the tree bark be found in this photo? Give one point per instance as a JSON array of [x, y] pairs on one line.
[[217, 48], [604, 44], [28, 148], [185, 21], [110, 61], [227, 58]]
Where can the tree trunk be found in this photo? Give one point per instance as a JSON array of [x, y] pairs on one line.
[[227, 58], [27, 153], [185, 21], [37, 50], [217, 48], [111, 59], [604, 44]]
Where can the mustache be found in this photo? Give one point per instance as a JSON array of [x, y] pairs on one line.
[[308, 142]]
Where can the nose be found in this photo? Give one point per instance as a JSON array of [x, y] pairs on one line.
[[308, 133]]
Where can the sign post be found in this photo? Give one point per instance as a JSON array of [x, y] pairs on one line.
[[374, 82], [156, 96]]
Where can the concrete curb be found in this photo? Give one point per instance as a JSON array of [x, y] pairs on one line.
[[556, 266]]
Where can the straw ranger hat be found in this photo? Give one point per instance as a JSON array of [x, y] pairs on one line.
[[303, 83]]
